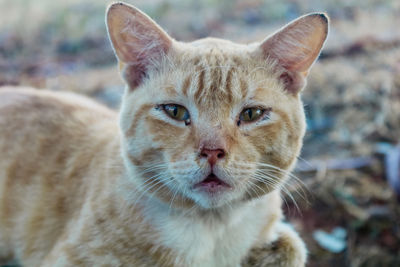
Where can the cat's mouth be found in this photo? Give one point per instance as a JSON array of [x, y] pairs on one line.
[[212, 184]]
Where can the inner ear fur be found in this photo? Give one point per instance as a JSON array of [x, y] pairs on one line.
[[137, 40], [296, 47]]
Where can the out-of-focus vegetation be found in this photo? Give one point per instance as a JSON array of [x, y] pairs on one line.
[[349, 211]]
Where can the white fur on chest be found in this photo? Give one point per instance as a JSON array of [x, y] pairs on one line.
[[208, 241]]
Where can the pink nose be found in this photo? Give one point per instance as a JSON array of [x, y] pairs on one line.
[[212, 155]]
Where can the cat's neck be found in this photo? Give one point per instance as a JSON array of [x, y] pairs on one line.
[[198, 233]]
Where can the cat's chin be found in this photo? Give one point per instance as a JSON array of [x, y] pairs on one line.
[[212, 192]]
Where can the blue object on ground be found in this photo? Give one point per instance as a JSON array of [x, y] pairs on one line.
[[334, 242]]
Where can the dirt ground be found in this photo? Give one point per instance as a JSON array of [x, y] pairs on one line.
[[346, 204]]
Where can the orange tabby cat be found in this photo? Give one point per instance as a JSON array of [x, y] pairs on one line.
[[208, 133]]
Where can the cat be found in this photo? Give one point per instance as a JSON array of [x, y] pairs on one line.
[[188, 173]]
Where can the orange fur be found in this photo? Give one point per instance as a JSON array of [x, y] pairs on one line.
[[79, 189]]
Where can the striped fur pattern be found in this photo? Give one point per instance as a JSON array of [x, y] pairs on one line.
[[77, 188]]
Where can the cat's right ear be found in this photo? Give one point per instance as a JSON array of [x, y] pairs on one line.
[[138, 41]]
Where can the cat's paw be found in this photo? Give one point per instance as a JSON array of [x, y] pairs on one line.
[[287, 251]]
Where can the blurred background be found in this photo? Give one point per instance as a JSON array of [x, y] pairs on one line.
[[346, 204]]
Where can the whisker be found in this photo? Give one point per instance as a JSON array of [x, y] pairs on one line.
[[175, 190], [263, 166], [165, 180], [288, 181], [282, 187]]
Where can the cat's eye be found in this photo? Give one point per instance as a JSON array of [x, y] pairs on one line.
[[251, 114], [177, 112]]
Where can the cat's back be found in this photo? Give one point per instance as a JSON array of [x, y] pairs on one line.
[[27, 104], [39, 123], [48, 146]]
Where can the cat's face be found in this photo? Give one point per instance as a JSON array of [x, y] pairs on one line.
[[209, 123]]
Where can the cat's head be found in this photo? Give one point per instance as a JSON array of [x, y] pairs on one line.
[[211, 123]]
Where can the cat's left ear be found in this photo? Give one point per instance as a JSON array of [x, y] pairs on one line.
[[296, 47]]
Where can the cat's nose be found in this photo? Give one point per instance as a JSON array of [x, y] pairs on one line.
[[212, 155]]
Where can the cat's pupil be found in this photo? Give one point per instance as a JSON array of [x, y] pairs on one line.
[[250, 113], [175, 111]]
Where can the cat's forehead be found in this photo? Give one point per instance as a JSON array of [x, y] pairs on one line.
[[216, 72], [213, 52]]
